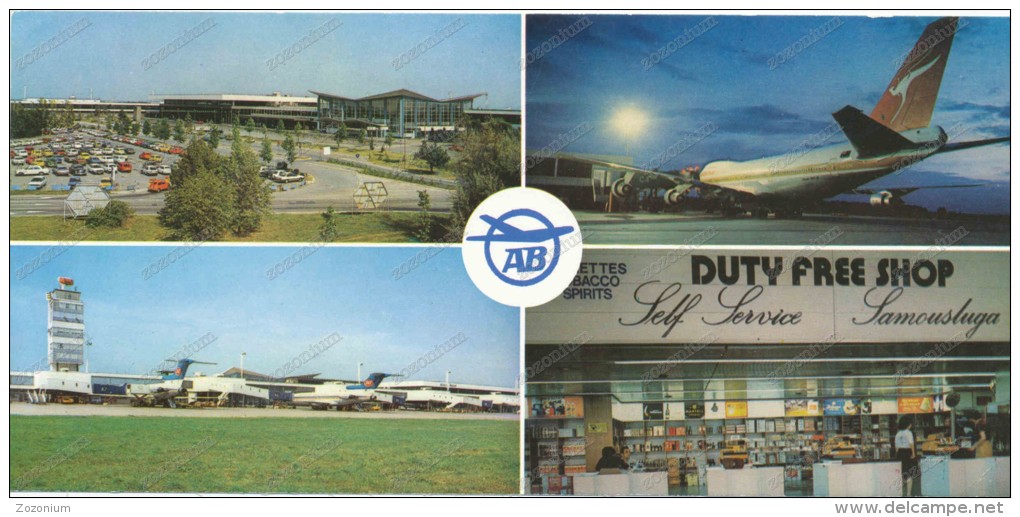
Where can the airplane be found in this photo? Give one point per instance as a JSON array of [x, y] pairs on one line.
[[896, 134], [339, 396], [163, 393]]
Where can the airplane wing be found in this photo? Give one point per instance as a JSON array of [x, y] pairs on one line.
[[618, 166], [902, 191], [957, 146]]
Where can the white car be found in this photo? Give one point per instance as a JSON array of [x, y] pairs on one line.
[[164, 169], [95, 168], [32, 170], [37, 183], [287, 176], [18, 160], [150, 169]]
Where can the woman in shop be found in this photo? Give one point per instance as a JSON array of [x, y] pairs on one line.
[[610, 460], [906, 452]]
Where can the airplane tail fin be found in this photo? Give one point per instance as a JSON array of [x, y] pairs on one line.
[[909, 100], [869, 137], [374, 380]]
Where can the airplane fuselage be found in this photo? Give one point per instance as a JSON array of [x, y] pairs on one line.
[[818, 173]]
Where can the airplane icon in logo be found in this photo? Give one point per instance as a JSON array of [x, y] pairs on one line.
[[530, 259]]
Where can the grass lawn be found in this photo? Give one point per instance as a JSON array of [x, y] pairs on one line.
[[366, 227], [260, 455]]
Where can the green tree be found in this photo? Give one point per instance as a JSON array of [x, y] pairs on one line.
[[341, 133], [267, 149], [113, 215], [200, 209], [329, 228], [280, 127], [163, 129], [298, 129], [388, 142], [189, 123], [252, 197], [249, 126], [198, 157], [215, 134], [424, 230], [489, 162], [179, 134], [135, 128], [371, 144], [361, 136], [291, 148], [432, 154], [146, 128], [28, 121]]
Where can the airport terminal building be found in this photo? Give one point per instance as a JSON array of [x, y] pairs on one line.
[[68, 381], [403, 113]]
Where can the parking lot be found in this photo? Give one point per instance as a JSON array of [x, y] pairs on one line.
[[68, 149], [326, 184]]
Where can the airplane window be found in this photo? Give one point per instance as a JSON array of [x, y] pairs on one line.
[[845, 154]]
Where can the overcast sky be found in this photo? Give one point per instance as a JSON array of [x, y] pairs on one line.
[[723, 77], [385, 323], [480, 54]]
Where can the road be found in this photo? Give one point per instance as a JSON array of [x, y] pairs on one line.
[[818, 230]]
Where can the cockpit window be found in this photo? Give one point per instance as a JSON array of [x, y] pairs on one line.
[[845, 154]]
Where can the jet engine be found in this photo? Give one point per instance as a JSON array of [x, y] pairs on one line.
[[883, 198], [621, 188], [675, 195]]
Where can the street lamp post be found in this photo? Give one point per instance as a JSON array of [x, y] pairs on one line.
[[359, 370], [447, 380], [243, 354]]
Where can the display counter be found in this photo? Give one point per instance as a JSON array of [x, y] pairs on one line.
[[629, 483], [974, 477], [834, 479], [745, 482]]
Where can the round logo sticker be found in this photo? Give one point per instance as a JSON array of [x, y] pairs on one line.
[[522, 247]]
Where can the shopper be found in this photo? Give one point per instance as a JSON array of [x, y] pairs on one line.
[[625, 455], [906, 452], [610, 460]]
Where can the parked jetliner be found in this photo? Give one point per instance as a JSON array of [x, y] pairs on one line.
[[895, 135]]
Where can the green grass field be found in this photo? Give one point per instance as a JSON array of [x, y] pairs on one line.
[[263, 455], [368, 227]]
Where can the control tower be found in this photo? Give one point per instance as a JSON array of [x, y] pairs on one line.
[[65, 337]]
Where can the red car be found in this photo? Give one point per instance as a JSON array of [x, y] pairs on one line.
[[145, 156], [176, 150], [124, 167]]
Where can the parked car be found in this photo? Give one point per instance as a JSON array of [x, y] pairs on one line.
[[287, 176], [37, 183], [129, 151], [95, 168], [18, 160], [124, 167], [165, 169], [62, 170], [150, 169], [78, 170], [32, 170], [159, 185], [73, 182]]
